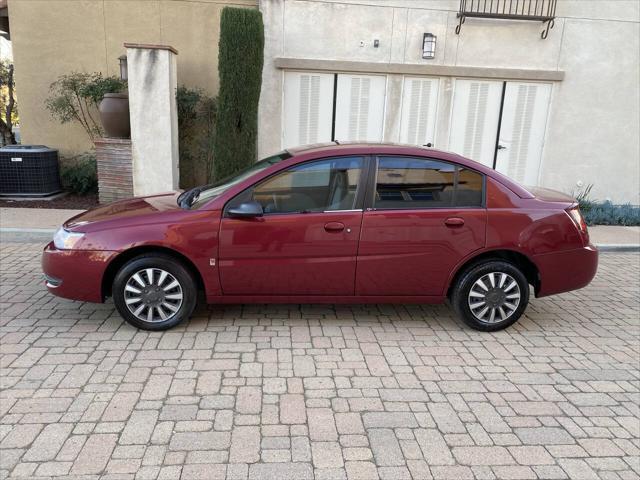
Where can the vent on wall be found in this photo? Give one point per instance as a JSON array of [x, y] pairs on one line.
[[535, 10]]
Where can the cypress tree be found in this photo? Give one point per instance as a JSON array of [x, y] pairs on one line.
[[241, 55]]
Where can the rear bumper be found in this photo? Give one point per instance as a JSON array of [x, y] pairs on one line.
[[75, 274], [566, 271]]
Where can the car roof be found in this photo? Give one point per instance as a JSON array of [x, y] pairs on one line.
[[320, 150]]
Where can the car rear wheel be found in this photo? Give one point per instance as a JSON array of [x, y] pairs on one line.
[[491, 295], [154, 292]]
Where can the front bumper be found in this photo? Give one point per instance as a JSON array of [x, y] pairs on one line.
[[75, 274], [566, 271]]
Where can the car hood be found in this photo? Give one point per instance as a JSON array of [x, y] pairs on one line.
[[133, 208]]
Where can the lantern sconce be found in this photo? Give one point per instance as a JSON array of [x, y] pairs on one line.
[[123, 67], [428, 46]]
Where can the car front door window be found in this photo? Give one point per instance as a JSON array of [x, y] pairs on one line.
[[321, 186]]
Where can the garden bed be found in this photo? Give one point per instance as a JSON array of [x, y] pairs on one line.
[[70, 201]]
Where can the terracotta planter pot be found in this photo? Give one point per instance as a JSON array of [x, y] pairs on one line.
[[114, 115]]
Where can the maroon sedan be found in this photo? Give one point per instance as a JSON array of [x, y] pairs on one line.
[[330, 224]]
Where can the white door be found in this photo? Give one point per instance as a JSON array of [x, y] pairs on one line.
[[308, 108], [474, 120], [524, 120], [360, 107], [419, 106]]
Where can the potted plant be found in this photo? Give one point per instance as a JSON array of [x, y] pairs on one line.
[[114, 107], [114, 115]]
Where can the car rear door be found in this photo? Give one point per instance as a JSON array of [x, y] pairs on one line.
[[422, 217], [306, 242]]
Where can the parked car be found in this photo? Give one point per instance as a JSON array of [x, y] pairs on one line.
[[355, 223]]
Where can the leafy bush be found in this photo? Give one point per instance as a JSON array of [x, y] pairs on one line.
[[196, 133], [606, 213], [79, 174], [240, 60], [75, 97]]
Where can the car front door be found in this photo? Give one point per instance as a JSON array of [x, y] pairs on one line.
[[306, 242], [423, 216]]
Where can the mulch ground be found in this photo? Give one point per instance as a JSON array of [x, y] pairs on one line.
[[71, 201]]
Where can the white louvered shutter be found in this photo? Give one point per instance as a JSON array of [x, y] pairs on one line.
[[308, 108], [522, 130], [419, 105], [474, 121], [360, 107]]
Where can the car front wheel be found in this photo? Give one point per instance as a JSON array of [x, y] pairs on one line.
[[491, 295], [154, 292]]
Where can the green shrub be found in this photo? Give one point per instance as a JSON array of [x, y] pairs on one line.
[[79, 174], [196, 132], [605, 213], [75, 97], [240, 60]]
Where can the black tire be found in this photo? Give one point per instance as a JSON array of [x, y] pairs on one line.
[[157, 262], [466, 281]]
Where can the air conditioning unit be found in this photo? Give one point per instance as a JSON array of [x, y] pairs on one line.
[[29, 171]]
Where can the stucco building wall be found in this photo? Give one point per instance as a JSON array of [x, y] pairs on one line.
[[55, 37], [591, 55]]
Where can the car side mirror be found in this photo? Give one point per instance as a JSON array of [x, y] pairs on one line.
[[246, 210]]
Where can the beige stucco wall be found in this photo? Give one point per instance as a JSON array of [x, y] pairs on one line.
[[54, 37], [594, 119]]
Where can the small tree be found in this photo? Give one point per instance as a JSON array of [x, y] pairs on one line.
[[240, 60], [75, 97], [8, 107]]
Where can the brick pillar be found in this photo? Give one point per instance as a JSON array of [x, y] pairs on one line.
[[115, 179]]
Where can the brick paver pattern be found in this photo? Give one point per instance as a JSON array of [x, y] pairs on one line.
[[320, 392]]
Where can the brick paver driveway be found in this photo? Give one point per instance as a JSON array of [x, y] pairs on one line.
[[324, 392]]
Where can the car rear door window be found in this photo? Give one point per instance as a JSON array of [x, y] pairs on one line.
[[410, 183]]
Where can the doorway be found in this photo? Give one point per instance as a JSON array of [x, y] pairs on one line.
[[322, 107], [501, 124]]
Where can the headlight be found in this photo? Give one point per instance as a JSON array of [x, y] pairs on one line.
[[65, 240]]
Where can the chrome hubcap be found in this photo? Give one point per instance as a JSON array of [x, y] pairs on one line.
[[153, 295], [494, 297]]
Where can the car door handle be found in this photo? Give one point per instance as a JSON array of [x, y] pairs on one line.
[[334, 226], [454, 222]]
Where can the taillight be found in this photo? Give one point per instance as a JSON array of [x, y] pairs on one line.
[[578, 219]]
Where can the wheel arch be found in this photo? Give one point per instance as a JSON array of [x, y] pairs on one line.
[[123, 257], [520, 260]]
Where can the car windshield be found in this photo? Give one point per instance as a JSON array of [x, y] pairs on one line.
[[198, 196]]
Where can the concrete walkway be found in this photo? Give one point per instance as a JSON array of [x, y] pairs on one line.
[[34, 218], [38, 224]]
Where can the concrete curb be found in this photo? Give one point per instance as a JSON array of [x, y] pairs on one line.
[[37, 235], [621, 247]]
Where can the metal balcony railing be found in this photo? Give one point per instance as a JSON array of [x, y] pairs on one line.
[[534, 10]]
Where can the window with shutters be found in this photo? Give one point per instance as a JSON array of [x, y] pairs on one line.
[[522, 130], [308, 108], [475, 118], [359, 107], [419, 107]]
